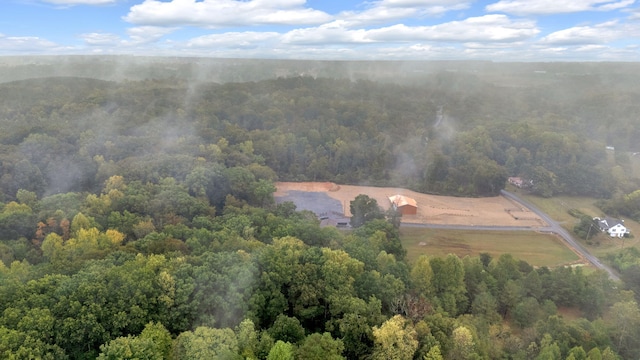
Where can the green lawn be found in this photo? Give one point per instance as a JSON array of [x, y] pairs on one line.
[[557, 208], [536, 249]]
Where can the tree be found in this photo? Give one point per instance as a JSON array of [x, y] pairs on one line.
[[489, 177], [320, 347], [421, 276], [526, 312], [594, 354], [395, 339], [544, 181], [223, 285], [355, 332], [585, 228], [577, 353], [510, 296], [18, 345], [262, 193], [207, 343], [160, 337], [434, 354], [463, 344], [16, 221], [247, 339], [28, 198], [383, 235], [281, 351], [485, 305], [364, 209], [287, 329], [130, 347], [449, 286], [608, 354], [549, 349], [625, 328]]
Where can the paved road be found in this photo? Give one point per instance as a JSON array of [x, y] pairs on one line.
[[564, 234], [553, 227]]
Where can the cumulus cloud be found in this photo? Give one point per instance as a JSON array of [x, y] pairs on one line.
[[545, 7], [483, 28], [137, 36], [389, 10], [336, 32], [616, 5], [80, 2], [490, 28], [234, 40], [100, 39], [591, 48], [224, 13], [10, 44], [146, 34], [597, 34]]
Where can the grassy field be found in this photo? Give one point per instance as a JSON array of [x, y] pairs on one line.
[[557, 208], [536, 249]]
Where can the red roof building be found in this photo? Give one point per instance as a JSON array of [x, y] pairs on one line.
[[404, 204]]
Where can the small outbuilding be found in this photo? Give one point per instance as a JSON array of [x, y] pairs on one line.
[[404, 204]]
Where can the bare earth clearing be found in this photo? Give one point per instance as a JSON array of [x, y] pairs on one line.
[[325, 197]]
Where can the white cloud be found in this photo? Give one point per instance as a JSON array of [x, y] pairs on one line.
[[616, 5], [146, 34], [390, 10], [137, 36], [235, 40], [332, 33], [591, 48], [417, 3], [224, 13], [10, 44], [598, 34], [493, 28], [100, 39], [541, 7], [635, 14], [80, 2]]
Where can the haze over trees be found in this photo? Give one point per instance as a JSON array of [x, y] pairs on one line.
[[137, 217]]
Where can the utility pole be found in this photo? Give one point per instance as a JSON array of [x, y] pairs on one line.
[[589, 231]]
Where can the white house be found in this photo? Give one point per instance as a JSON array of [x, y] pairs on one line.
[[519, 182], [613, 227]]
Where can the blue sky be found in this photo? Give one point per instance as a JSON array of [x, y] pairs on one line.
[[498, 30]]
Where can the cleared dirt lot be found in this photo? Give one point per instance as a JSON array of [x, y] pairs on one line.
[[432, 209]]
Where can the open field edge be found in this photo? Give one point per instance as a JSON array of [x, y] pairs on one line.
[[538, 249]]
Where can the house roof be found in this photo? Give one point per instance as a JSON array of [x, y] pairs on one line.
[[610, 222], [401, 200]]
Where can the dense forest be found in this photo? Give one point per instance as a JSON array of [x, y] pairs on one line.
[[137, 217]]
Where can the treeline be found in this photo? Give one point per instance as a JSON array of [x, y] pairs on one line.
[[68, 134], [269, 283]]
